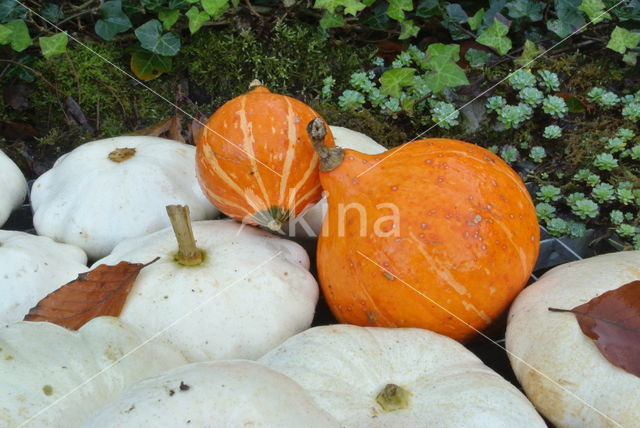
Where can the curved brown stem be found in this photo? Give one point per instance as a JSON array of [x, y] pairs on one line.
[[330, 157]]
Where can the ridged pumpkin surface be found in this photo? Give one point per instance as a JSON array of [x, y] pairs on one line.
[[462, 242], [254, 160]]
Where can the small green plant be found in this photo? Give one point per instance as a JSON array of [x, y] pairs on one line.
[[549, 193], [605, 162], [545, 211], [552, 132], [521, 79], [603, 192], [585, 208], [514, 116], [444, 114], [554, 106], [509, 153], [495, 104], [632, 111], [549, 81], [537, 154], [531, 96]]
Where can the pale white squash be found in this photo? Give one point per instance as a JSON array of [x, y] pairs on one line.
[[562, 371], [54, 377], [214, 394], [95, 196], [344, 368], [30, 268], [13, 187], [309, 223], [252, 291]]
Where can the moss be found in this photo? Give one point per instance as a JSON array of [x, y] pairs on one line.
[[294, 61]]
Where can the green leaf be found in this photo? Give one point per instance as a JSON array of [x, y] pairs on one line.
[[51, 12], [439, 52], [148, 66], [15, 71], [630, 58], [113, 20], [562, 29], [427, 9], [331, 20], [5, 34], [398, 7], [168, 17], [529, 52], [569, 14], [409, 29], [196, 19], [351, 7], [214, 8], [19, 36], [529, 9], [151, 38], [477, 58], [446, 75], [622, 39], [495, 37], [54, 45], [476, 19], [10, 10], [456, 13], [392, 81], [595, 10]]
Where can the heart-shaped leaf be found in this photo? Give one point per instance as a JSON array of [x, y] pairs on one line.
[[612, 320], [148, 66], [113, 21], [54, 45], [392, 81], [152, 39]]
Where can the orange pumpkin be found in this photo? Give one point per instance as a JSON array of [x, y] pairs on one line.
[[254, 160], [438, 234]]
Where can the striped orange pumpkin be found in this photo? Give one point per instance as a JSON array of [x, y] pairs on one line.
[[254, 159]]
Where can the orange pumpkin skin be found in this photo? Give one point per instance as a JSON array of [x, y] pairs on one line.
[[459, 248], [254, 160]]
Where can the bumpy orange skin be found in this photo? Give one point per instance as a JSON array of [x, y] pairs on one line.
[[254, 160], [462, 245]]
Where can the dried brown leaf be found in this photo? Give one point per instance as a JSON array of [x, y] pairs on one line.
[[169, 128], [612, 321], [100, 292]]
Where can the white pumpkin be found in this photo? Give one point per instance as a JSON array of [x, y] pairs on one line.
[[13, 187], [309, 223], [561, 370], [214, 394], [105, 191], [32, 267], [54, 377], [378, 377], [251, 292]]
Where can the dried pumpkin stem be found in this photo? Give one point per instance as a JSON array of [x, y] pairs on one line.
[[393, 397], [254, 83], [122, 154], [188, 254], [330, 157]]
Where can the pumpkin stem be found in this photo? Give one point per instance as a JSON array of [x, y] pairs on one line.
[[188, 254], [393, 397], [122, 154], [330, 157]]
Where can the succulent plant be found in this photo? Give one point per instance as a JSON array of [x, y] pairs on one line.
[[552, 132]]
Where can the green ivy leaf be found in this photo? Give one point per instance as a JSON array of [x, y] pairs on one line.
[[428, 8], [168, 17], [331, 20], [392, 81], [622, 39], [446, 75], [476, 20], [528, 9], [196, 17], [10, 10], [51, 12], [439, 52], [54, 45], [148, 66], [562, 29], [495, 37], [595, 10], [215, 8], [398, 7], [477, 58], [151, 38], [351, 7], [18, 35], [529, 52], [113, 20], [569, 15], [409, 29], [630, 58], [5, 34]]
